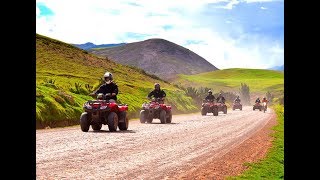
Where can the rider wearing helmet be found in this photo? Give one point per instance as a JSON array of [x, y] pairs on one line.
[[108, 87], [157, 92], [237, 100], [266, 101], [221, 99], [210, 97], [258, 100]]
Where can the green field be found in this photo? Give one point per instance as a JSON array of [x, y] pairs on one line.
[[64, 74], [228, 80]]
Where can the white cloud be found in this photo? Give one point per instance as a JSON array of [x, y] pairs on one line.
[[102, 22], [231, 4], [263, 8], [261, 1]]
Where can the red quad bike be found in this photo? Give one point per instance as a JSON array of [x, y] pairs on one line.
[[208, 106], [101, 111], [237, 105], [257, 106], [222, 107], [156, 109]]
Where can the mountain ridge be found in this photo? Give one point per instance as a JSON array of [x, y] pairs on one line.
[[158, 56], [90, 45]]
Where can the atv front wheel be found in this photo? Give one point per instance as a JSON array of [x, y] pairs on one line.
[[215, 111], [225, 110], [113, 121], [163, 116], [123, 121], [84, 122], [169, 117], [143, 116], [203, 111]]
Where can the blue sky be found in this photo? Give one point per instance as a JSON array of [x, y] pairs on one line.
[[227, 33]]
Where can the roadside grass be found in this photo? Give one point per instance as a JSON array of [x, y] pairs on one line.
[[271, 167]]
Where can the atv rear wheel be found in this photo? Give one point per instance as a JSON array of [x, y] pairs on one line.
[[163, 116], [123, 121], [143, 116], [84, 122], [203, 111], [96, 127], [113, 121], [169, 117]]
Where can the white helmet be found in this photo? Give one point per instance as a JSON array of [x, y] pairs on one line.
[[108, 75]]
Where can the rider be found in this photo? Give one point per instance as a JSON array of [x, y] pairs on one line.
[[157, 92], [108, 87], [266, 101], [237, 100], [221, 99], [210, 97], [258, 100]]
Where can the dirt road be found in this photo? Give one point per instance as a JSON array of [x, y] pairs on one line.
[[145, 151]]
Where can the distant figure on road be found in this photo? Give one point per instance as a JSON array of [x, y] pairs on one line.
[[237, 100], [266, 101], [221, 99], [258, 100]]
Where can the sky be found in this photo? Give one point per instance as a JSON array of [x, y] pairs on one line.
[[227, 33]]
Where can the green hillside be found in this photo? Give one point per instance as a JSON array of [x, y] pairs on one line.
[[65, 73], [228, 80]]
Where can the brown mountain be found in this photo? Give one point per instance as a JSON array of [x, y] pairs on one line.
[[159, 57]]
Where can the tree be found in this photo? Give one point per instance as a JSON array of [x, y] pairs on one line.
[[245, 94]]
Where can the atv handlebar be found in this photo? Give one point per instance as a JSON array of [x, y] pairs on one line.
[[156, 99]]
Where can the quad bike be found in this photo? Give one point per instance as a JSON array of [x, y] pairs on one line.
[[156, 109], [208, 106], [102, 111], [257, 106], [264, 106], [222, 107], [237, 105]]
